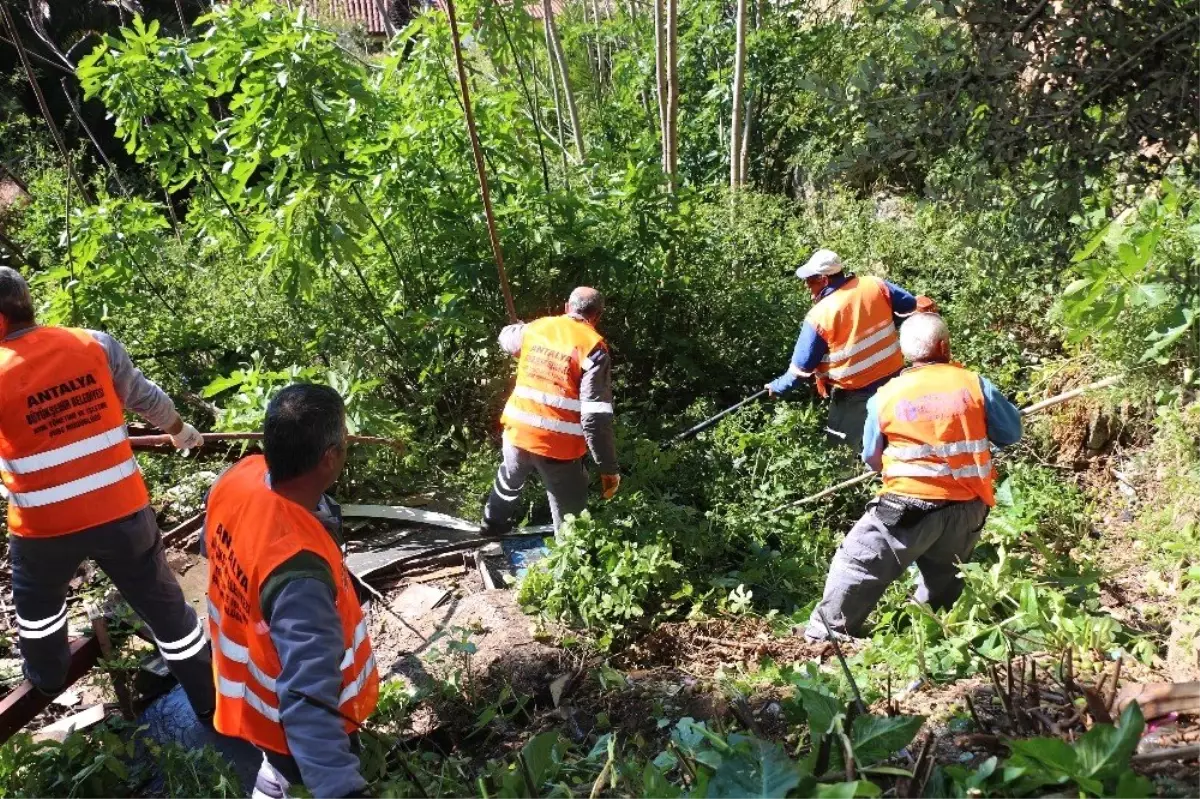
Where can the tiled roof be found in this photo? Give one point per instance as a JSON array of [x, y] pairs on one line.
[[366, 12]]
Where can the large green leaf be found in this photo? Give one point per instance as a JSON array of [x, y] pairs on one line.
[[846, 790], [876, 738], [1054, 754], [1104, 750], [822, 708], [760, 769], [541, 755]]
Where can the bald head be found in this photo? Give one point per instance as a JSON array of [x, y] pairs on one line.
[[586, 302], [16, 305], [925, 337]]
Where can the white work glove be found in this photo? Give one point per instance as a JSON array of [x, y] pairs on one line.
[[187, 438]]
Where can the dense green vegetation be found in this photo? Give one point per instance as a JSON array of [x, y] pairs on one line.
[[285, 204]]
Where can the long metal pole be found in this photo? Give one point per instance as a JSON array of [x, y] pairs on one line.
[[480, 169], [712, 420]]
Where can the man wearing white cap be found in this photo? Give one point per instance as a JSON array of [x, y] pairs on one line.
[[848, 342]]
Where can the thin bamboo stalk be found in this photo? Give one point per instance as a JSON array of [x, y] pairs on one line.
[[480, 170]]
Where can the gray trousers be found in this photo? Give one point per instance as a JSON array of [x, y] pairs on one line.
[[566, 486], [131, 553], [847, 417], [873, 555]]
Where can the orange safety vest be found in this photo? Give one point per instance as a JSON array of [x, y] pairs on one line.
[[544, 414], [856, 323], [65, 457], [936, 427], [249, 532]]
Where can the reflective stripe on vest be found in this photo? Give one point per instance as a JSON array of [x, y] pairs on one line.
[[75, 488], [873, 335], [544, 398], [356, 685], [71, 452], [843, 372], [936, 470], [940, 450], [238, 690], [543, 423]]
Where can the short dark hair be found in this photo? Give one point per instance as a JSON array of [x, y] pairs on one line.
[[304, 420], [16, 305]]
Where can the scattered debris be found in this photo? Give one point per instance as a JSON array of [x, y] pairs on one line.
[[59, 730], [416, 600]]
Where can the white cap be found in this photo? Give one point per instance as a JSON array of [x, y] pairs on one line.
[[823, 262]]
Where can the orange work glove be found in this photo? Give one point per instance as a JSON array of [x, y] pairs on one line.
[[926, 304], [610, 484]]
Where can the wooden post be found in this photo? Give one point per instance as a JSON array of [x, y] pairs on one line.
[[480, 168]]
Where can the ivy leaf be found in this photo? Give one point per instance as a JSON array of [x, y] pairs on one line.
[[876, 738], [1162, 341]]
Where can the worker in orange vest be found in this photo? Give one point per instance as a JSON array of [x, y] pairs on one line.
[[75, 492], [560, 409], [930, 432], [295, 670], [848, 341]]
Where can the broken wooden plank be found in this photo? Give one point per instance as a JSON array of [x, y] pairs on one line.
[[116, 674], [59, 730], [24, 702], [185, 528], [485, 573], [392, 547]]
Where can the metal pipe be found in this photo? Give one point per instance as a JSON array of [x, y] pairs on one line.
[[712, 420]]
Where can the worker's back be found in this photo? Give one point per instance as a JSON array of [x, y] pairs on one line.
[[249, 531], [543, 414], [64, 451], [857, 325], [935, 422]]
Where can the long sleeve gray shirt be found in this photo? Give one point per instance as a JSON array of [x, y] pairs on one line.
[[137, 392], [595, 393]]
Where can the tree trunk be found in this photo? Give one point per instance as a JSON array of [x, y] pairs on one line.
[[660, 76], [599, 47], [557, 107], [561, 60], [673, 89], [735, 125]]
